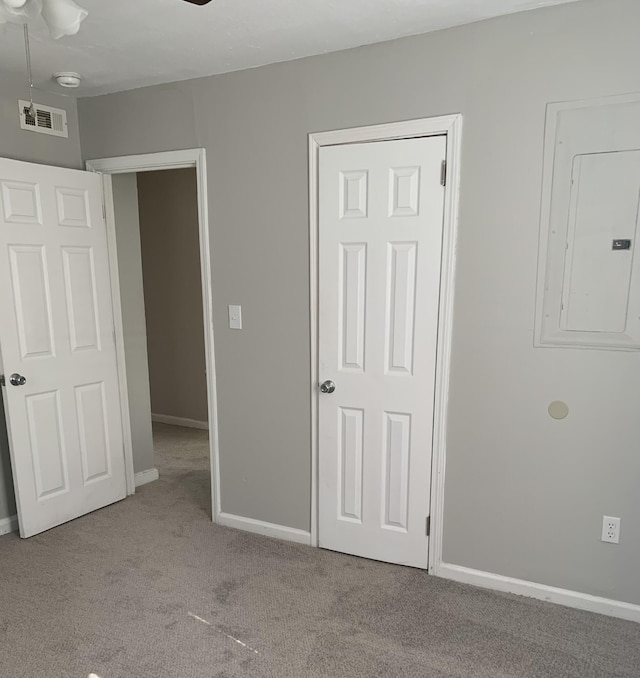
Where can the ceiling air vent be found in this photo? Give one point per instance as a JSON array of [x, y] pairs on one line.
[[47, 120]]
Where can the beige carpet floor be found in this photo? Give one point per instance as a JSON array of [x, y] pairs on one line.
[[149, 587]]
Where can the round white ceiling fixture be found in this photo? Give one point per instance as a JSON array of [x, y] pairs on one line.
[[68, 79]]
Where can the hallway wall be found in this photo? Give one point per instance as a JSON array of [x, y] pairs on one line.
[[168, 208], [125, 205]]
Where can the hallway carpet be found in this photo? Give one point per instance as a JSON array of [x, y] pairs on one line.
[[150, 588]]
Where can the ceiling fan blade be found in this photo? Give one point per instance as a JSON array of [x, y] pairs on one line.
[[198, 2]]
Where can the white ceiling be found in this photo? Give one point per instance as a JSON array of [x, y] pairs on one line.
[[131, 43]]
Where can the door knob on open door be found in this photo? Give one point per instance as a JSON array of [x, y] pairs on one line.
[[17, 379], [328, 386]]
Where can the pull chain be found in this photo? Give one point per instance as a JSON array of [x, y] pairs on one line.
[[32, 109]]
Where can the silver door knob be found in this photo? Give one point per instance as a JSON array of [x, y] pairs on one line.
[[17, 379], [328, 386]]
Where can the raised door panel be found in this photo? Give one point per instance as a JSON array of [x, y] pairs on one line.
[[32, 300], [80, 288], [351, 434], [397, 444], [73, 207], [21, 202], [47, 443], [354, 198], [352, 300], [401, 304], [92, 426], [404, 191]]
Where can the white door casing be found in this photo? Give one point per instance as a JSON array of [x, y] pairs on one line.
[[150, 162], [381, 208], [64, 423]]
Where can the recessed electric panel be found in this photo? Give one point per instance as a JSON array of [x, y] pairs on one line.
[[600, 267], [589, 274]]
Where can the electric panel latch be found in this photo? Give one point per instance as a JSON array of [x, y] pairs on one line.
[[621, 245]]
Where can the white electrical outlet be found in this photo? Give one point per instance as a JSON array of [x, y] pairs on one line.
[[611, 529]]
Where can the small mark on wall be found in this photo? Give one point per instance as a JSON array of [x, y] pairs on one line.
[[558, 409]]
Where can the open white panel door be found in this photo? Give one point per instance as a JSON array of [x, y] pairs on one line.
[[381, 208], [57, 344]]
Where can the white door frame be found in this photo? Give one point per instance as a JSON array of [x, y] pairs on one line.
[[451, 126], [151, 162]]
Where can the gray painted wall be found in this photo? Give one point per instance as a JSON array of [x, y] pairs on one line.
[[173, 292], [19, 144], [524, 494], [125, 202]]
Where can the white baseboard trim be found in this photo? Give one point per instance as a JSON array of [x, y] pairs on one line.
[[551, 594], [180, 421], [9, 524], [147, 476], [266, 529]]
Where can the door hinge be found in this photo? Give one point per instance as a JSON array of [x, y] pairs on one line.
[[104, 211], [443, 173], [428, 526]]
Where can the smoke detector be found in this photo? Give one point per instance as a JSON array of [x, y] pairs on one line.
[[68, 79]]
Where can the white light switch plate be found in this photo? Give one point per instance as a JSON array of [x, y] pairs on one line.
[[235, 317]]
